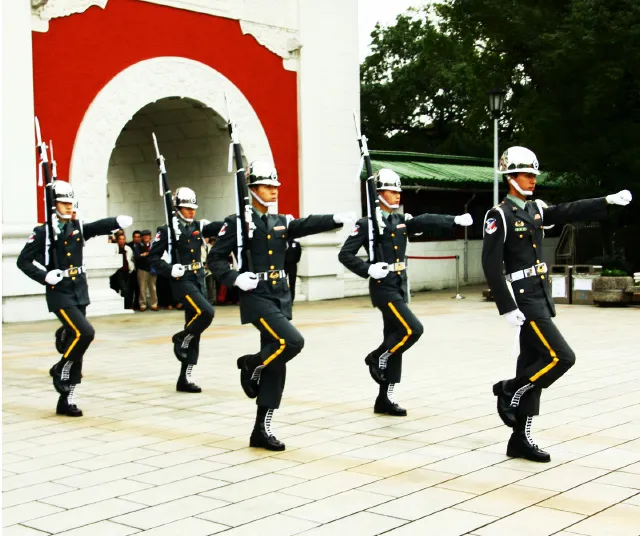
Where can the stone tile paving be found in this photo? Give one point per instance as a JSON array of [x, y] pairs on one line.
[[146, 459]]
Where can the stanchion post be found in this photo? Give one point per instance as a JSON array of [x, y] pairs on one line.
[[457, 296]]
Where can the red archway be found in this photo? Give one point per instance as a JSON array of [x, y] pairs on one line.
[[79, 54]]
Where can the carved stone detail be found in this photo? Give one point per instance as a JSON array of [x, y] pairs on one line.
[[51, 9], [281, 41], [134, 88]]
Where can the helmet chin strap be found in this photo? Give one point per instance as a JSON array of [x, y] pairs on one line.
[[260, 200], [382, 200], [181, 216], [517, 187], [63, 216]]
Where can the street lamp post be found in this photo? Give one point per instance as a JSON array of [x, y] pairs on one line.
[[496, 102]]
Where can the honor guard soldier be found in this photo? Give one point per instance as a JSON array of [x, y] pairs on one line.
[[513, 233], [67, 292], [265, 297], [388, 284], [187, 281]]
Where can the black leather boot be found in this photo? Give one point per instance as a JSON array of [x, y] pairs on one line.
[[373, 362], [181, 343], [386, 403], [66, 405], [506, 412], [61, 339], [185, 385], [249, 386], [60, 373], [521, 444], [262, 437]]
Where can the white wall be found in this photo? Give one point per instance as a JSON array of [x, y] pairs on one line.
[[328, 94], [195, 144], [19, 208]]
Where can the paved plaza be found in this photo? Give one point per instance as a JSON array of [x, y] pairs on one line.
[[146, 459]]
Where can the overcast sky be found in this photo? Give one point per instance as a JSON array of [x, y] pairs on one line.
[[383, 11]]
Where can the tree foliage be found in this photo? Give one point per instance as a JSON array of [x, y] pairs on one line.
[[571, 69]]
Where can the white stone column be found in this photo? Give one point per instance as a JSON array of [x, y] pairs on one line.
[[20, 295], [328, 94]]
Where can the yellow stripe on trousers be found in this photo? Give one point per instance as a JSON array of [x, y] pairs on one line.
[[406, 326], [193, 304], [68, 320], [283, 343], [555, 360]]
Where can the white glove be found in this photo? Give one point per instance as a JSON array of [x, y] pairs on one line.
[[465, 220], [379, 270], [53, 277], [177, 270], [621, 198], [515, 318], [124, 221], [246, 281], [345, 217]]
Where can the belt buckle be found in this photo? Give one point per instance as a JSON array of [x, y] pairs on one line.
[[73, 271], [195, 265], [541, 268], [274, 275]]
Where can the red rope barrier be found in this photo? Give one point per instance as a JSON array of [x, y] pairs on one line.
[[435, 258]]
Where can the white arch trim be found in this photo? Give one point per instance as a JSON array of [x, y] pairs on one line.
[[132, 89]]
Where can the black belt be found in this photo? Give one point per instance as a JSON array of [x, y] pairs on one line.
[[272, 274]]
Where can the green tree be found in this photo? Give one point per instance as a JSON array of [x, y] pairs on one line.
[[571, 68]]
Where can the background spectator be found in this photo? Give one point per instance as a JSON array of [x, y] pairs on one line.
[[291, 260], [146, 280], [136, 238], [120, 281]]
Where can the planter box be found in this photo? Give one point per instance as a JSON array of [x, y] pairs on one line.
[[612, 291]]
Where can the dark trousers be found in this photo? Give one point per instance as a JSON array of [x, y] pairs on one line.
[[280, 342], [80, 333], [198, 315], [544, 357], [292, 272], [401, 331]]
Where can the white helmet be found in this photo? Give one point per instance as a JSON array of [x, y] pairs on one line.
[[262, 172], [62, 192], [518, 160], [185, 197], [387, 179]]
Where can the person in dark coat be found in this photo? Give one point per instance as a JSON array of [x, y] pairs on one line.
[[291, 259], [187, 281], [265, 298], [512, 244], [388, 284], [66, 292]]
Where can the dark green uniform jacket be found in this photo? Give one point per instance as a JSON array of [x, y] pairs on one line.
[[71, 291], [513, 238], [394, 245], [268, 248], [190, 242]]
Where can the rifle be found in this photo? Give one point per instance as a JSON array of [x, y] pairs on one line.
[[244, 212], [51, 229], [374, 213], [173, 229]]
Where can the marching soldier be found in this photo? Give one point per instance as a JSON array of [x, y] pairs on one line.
[[388, 284], [67, 292], [265, 298], [513, 233], [187, 281]]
